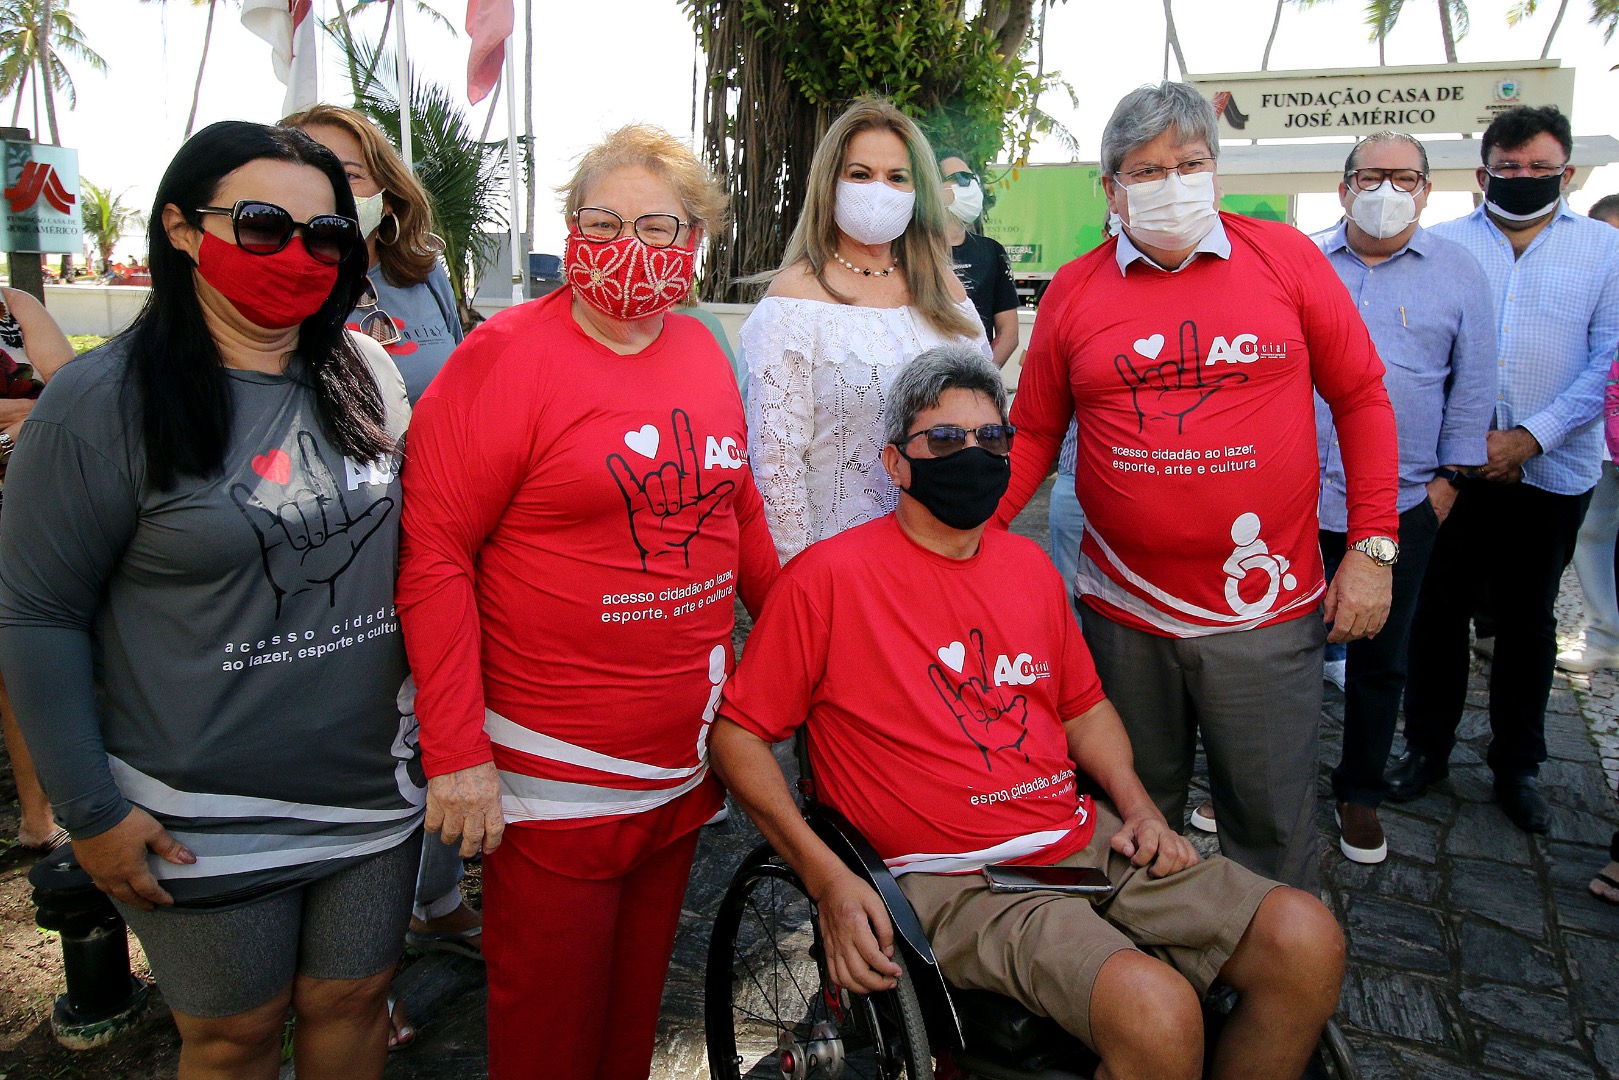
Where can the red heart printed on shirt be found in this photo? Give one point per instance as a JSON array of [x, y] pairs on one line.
[[275, 466]]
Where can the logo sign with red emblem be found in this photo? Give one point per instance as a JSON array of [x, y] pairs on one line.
[[39, 199]]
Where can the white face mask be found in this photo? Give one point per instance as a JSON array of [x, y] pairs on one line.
[[873, 212], [969, 203], [1173, 213], [1384, 211], [1115, 224], [369, 210]]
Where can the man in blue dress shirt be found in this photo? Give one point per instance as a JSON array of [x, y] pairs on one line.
[[1427, 305], [1554, 281]]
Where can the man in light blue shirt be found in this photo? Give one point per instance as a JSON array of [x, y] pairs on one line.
[[1427, 305], [1554, 280]]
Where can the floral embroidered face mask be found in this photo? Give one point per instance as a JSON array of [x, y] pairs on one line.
[[626, 279]]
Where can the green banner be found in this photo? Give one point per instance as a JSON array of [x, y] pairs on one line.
[[1048, 215], [40, 208]]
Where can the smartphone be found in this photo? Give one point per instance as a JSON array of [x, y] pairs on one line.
[[1084, 880]]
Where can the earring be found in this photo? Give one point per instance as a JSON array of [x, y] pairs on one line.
[[386, 218]]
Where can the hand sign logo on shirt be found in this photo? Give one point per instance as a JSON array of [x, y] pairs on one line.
[[1170, 389], [667, 506], [989, 720], [309, 538]]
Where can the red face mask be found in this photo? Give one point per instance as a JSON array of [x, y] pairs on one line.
[[272, 291], [625, 279]]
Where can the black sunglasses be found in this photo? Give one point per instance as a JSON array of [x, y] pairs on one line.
[[960, 179], [946, 439], [263, 228]]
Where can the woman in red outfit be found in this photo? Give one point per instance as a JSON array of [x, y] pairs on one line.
[[579, 518]]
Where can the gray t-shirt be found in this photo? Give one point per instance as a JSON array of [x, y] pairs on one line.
[[427, 321], [224, 654]]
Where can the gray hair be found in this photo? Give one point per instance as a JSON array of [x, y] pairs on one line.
[[1386, 137], [954, 365], [1146, 113]]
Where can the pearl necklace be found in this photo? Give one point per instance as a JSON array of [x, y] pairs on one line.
[[863, 270]]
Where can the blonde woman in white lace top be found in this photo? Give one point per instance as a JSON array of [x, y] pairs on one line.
[[865, 286]]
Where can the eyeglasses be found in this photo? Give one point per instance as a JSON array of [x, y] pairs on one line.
[[1406, 180], [601, 226], [1152, 173], [264, 228], [960, 179], [1506, 170], [375, 322], [946, 439]]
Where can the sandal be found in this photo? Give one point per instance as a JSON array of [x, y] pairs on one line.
[[1605, 886], [400, 1035]]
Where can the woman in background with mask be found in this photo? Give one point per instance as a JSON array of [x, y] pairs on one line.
[[580, 518], [408, 306], [866, 285], [979, 261]]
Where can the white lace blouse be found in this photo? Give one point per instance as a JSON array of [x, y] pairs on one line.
[[818, 375]]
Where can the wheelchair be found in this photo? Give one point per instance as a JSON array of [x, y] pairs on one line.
[[772, 1013]]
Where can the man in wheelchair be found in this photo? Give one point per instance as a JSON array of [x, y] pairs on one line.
[[949, 697]]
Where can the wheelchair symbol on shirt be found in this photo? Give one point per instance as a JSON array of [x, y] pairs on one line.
[[1253, 555]]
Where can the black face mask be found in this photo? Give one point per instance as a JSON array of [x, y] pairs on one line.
[[963, 489], [1524, 195]]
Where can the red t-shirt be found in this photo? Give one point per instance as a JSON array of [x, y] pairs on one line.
[[935, 691], [1197, 464], [577, 524]]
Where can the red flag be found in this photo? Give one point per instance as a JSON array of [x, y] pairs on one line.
[[489, 22]]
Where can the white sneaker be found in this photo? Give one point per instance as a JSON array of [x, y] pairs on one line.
[[1335, 672], [1584, 661], [1203, 817]]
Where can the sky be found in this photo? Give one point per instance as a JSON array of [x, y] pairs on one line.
[[128, 123]]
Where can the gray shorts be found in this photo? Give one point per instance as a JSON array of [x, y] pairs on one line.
[[350, 925]]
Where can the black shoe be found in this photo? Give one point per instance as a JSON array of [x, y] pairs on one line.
[[1521, 800], [1408, 778]]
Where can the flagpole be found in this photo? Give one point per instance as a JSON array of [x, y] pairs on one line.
[[519, 270], [402, 77]]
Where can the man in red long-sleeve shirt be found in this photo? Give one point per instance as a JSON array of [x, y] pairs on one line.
[[1189, 347]]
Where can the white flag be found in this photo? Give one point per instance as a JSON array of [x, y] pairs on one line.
[[289, 27]]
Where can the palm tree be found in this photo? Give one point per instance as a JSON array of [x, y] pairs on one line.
[[107, 218], [466, 177], [30, 56], [1604, 13], [1454, 23], [1172, 40], [1276, 22]]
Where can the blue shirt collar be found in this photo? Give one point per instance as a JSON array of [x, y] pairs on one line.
[[1338, 240], [1215, 243]]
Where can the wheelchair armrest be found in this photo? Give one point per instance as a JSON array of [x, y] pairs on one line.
[[939, 1013]]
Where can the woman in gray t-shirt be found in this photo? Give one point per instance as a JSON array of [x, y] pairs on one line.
[[196, 614]]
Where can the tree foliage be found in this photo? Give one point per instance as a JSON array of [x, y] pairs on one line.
[[107, 218], [779, 70], [26, 50]]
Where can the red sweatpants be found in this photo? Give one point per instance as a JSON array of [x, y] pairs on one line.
[[576, 967]]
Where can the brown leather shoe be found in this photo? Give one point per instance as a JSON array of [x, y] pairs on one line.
[[1362, 839]]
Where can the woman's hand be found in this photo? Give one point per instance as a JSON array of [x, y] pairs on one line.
[[465, 805], [116, 859]]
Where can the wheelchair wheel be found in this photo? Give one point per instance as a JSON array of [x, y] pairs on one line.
[[771, 1012]]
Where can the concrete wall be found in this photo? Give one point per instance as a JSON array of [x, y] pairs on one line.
[[94, 309]]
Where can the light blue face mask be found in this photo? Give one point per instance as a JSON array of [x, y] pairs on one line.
[[369, 210]]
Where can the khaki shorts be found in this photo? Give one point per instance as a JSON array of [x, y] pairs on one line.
[[1046, 949]]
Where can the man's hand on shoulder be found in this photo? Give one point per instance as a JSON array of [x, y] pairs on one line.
[[858, 935], [1358, 599], [1147, 840]]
